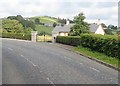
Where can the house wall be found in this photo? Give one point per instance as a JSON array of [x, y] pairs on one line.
[[54, 35], [100, 30], [63, 34]]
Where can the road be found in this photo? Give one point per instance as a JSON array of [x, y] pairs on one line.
[[25, 62]]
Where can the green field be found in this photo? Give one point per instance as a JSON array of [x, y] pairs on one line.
[[44, 19], [41, 29]]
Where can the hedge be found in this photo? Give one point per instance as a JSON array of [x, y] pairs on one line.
[[69, 40], [16, 36], [107, 44]]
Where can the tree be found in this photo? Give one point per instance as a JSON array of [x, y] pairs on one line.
[[104, 26], [80, 25], [112, 27], [62, 21], [12, 26], [108, 31], [54, 24], [37, 21], [25, 23]]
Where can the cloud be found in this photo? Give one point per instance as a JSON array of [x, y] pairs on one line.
[[105, 10]]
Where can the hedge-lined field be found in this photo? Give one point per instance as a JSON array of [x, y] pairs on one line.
[[106, 44], [69, 40], [16, 36]]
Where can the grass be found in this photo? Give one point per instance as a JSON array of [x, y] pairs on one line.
[[41, 38], [97, 55], [44, 19], [47, 20], [41, 28]]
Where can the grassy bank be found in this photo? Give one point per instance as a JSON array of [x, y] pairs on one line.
[[97, 55]]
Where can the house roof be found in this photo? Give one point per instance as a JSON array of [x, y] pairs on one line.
[[65, 28], [93, 27]]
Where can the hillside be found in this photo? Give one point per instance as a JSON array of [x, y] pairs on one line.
[[42, 28], [45, 19]]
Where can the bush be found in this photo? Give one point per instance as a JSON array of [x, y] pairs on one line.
[[17, 36], [69, 40], [106, 44]]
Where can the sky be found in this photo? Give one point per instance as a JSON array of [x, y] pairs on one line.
[[105, 10]]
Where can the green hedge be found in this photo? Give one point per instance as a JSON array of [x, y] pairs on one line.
[[16, 36], [69, 40], [106, 44]]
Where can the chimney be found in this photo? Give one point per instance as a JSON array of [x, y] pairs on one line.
[[99, 22], [67, 22]]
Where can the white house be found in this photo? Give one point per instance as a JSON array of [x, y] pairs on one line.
[[97, 28], [61, 30]]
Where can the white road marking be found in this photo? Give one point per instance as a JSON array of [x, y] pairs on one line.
[[32, 63], [10, 49], [28, 60], [21, 55], [50, 81], [94, 69], [80, 63]]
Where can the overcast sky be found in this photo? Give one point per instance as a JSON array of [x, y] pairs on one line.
[[106, 10]]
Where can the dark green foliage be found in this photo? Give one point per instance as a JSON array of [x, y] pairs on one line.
[[108, 31], [17, 36], [112, 27], [80, 25], [62, 21], [37, 21], [105, 44], [104, 26], [54, 24], [25, 22], [69, 40]]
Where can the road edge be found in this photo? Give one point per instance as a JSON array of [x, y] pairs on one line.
[[94, 59]]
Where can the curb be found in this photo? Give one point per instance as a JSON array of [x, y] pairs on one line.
[[99, 61]]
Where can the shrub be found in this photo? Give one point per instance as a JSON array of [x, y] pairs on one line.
[[69, 40], [106, 44], [17, 36]]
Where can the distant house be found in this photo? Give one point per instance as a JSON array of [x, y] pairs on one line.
[[61, 30], [97, 28], [48, 24], [64, 30]]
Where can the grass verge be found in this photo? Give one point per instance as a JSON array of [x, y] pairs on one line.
[[97, 55]]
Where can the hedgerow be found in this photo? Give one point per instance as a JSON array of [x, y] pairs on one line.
[[69, 40], [16, 36], [107, 44]]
